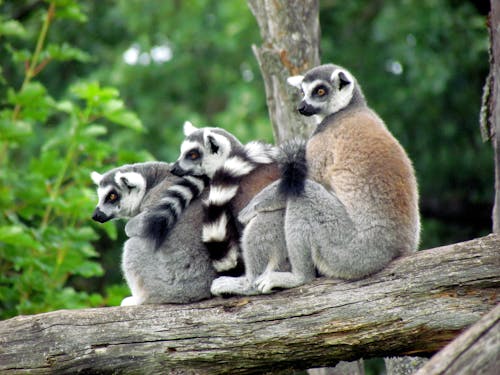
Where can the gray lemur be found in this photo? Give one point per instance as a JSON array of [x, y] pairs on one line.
[[351, 194], [179, 270]]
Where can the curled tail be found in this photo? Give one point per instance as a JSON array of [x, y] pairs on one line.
[[220, 229], [162, 218], [293, 167]]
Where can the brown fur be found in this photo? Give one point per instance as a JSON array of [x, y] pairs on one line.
[[358, 158], [253, 183]]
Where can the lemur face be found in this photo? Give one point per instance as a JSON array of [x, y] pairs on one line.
[[325, 90], [119, 193], [202, 152]]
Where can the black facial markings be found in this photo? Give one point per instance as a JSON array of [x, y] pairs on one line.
[[112, 197], [193, 154], [320, 91]]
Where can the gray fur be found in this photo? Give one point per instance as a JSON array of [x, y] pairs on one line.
[[180, 271], [263, 244]]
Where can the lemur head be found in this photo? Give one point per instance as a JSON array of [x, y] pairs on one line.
[[204, 150], [120, 192], [326, 89]]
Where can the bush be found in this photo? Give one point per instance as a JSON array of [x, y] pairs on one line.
[[48, 147]]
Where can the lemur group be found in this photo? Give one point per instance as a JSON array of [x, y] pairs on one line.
[[244, 219]]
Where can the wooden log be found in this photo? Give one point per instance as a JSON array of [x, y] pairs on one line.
[[476, 351], [414, 307]]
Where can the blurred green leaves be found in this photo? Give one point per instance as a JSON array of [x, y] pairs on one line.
[[48, 149]]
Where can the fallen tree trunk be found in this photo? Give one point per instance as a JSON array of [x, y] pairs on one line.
[[414, 307]]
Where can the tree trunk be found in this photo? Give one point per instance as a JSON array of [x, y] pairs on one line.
[[490, 110], [290, 33], [495, 105], [414, 307]]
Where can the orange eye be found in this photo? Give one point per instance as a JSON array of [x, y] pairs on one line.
[[193, 155], [321, 92], [111, 198]]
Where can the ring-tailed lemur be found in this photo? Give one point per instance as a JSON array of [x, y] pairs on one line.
[[358, 207], [179, 271], [237, 172]]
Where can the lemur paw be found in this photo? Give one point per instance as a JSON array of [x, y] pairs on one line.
[[222, 285], [130, 301], [265, 283]]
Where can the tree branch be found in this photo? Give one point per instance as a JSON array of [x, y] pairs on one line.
[[414, 307]]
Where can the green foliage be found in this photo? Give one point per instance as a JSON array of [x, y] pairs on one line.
[[48, 149]]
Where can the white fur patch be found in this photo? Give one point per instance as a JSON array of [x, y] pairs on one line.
[[228, 262], [189, 128], [236, 166], [130, 179], [182, 190], [220, 195], [342, 97], [188, 145], [295, 81], [102, 192], [96, 177], [130, 301], [261, 153], [215, 231]]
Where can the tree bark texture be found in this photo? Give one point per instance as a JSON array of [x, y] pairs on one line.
[[476, 351], [490, 110], [291, 34], [414, 307]]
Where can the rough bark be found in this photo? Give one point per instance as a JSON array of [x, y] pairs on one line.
[[290, 33], [490, 110], [476, 351], [414, 307], [495, 105]]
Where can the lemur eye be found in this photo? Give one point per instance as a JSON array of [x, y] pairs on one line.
[[320, 91], [192, 155], [112, 197]]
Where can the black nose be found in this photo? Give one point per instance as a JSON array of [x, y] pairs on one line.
[[306, 109], [100, 216], [177, 170]]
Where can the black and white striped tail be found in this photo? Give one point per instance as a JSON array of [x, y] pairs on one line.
[[293, 166], [163, 217], [220, 229]]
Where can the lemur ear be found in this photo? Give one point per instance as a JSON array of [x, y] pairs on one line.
[[96, 177], [341, 78], [129, 180], [189, 128], [295, 81], [211, 142]]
